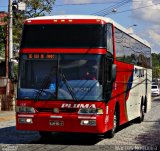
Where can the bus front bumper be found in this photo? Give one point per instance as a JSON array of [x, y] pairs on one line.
[[61, 123]]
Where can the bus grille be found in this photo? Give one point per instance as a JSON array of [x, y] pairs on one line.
[[61, 110]]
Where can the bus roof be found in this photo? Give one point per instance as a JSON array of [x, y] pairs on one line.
[[88, 17]]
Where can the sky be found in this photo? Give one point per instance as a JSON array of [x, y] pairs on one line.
[[139, 16]]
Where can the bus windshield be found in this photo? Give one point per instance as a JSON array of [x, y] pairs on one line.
[[62, 77], [59, 36]]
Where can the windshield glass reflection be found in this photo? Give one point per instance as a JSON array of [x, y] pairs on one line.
[[82, 75], [41, 79]]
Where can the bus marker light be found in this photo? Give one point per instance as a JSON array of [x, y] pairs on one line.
[[107, 119], [62, 20], [55, 20]]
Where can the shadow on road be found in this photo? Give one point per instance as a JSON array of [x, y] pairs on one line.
[[151, 137], [10, 135], [156, 99], [69, 139]]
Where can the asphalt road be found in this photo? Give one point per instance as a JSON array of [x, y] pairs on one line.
[[144, 136]]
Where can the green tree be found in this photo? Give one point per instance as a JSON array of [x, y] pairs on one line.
[[156, 65], [35, 8], [3, 38], [38, 7]]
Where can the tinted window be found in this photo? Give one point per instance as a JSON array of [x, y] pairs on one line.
[[154, 87], [109, 38], [49, 36], [131, 51], [61, 77], [119, 47]]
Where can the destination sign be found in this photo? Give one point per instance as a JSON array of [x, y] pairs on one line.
[[41, 56]]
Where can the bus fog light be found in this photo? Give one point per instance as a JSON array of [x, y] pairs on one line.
[[88, 122], [25, 120], [29, 120]]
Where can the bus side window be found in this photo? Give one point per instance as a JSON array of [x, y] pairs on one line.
[[109, 38]]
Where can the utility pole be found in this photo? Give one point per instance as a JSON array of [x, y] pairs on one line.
[[9, 54], [10, 30]]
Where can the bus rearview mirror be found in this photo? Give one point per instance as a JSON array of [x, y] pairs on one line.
[[113, 72]]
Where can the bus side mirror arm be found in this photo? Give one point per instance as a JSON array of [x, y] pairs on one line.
[[114, 69]]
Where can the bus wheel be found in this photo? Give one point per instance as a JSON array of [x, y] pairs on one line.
[[141, 117], [111, 133], [45, 134]]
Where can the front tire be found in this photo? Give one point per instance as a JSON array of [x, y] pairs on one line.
[[112, 132]]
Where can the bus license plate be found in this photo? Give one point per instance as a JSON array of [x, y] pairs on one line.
[[56, 123]]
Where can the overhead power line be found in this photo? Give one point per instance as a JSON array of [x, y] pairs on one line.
[[82, 4], [98, 3], [95, 3], [91, 3], [136, 8], [108, 10]]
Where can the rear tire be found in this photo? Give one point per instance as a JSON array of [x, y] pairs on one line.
[[141, 117]]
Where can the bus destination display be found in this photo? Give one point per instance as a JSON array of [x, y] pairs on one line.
[[41, 56]]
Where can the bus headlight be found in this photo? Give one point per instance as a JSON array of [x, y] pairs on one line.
[[90, 111], [24, 109]]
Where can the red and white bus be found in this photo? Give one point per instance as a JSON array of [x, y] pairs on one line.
[[81, 74]]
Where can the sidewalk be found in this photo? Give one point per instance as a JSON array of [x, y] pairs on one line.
[[7, 116]]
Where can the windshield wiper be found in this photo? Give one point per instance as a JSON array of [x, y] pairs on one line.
[[41, 89], [44, 84], [70, 89]]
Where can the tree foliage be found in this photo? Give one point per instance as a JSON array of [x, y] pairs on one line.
[[156, 65], [38, 7], [3, 38], [34, 8]]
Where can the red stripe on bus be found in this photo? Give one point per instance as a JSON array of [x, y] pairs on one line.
[[64, 50], [66, 21]]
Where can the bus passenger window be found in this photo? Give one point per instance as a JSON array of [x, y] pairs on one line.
[[109, 38]]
